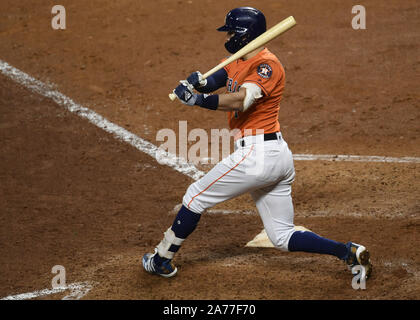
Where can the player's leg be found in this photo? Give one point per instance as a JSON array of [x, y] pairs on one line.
[[275, 206], [226, 180]]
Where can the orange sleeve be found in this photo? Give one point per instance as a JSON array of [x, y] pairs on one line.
[[266, 74], [227, 67]]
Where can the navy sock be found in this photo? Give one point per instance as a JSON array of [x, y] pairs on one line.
[[184, 224], [310, 242]]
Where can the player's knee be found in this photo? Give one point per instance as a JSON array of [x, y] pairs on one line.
[[280, 240], [192, 201]]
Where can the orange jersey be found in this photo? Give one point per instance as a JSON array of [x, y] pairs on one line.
[[266, 71]]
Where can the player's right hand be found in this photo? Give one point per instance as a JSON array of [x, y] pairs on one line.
[[185, 93], [196, 80]]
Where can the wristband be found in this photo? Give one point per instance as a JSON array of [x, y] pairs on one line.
[[207, 101]]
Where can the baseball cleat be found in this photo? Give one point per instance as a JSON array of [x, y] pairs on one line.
[[167, 269], [358, 255]]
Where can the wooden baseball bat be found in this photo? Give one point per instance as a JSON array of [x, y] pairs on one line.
[[266, 37]]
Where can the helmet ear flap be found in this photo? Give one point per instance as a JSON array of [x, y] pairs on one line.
[[237, 42], [230, 46]]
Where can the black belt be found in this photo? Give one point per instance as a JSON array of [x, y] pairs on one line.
[[267, 137]]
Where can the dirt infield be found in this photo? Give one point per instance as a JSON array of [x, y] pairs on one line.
[[73, 195]]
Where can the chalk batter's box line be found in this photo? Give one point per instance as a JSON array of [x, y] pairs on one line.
[[354, 158], [77, 291]]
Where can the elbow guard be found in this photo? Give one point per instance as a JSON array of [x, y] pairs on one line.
[[253, 92]]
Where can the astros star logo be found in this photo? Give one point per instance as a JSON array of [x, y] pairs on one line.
[[264, 70]]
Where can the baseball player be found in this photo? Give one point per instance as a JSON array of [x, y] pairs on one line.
[[261, 164]]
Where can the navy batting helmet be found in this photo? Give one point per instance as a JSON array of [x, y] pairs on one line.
[[246, 24]]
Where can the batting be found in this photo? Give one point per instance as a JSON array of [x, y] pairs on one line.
[[261, 40], [254, 80]]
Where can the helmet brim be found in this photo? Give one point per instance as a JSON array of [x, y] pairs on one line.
[[224, 28]]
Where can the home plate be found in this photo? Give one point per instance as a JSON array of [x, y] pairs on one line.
[[261, 240]]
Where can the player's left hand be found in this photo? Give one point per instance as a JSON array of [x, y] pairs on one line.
[[185, 93], [196, 79]]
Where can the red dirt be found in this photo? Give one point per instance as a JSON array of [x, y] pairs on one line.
[[73, 195]]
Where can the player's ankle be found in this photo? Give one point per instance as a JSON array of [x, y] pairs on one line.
[[158, 260]]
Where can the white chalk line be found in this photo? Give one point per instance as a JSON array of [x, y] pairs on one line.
[[165, 158], [218, 211], [77, 291], [353, 158], [314, 214]]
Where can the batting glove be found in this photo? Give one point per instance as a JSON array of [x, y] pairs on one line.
[[185, 94], [196, 80]]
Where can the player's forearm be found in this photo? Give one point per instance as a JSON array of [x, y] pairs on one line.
[[213, 82], [227, 103], [231, 101], [222, 102]]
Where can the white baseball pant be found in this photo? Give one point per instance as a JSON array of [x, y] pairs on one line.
[[263, 168]]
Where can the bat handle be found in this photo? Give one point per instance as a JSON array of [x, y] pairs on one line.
[[172, 96]]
